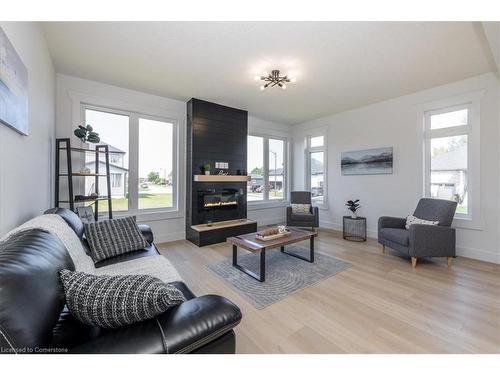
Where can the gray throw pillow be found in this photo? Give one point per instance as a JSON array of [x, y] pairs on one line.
[[116, 301], [110, 238]]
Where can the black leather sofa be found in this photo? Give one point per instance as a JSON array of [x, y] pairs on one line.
[[34, 318]]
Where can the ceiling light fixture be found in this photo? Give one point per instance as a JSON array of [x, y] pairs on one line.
[[274, 79]]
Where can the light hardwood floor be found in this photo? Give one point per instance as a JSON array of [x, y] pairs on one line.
[[379, 305]]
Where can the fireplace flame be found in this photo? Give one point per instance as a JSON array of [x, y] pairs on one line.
[[218, 204]]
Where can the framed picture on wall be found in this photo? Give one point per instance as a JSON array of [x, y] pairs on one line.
[[372, 161], [13, 87]]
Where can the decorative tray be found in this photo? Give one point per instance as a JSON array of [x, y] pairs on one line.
[[272, 236]]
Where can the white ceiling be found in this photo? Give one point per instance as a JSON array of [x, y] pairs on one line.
[[338, 65]]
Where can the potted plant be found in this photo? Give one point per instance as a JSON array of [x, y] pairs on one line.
[[353, 207], [87, 134], [206, 168]]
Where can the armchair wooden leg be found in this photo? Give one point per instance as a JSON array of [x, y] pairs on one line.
[[450, 259], [413, 262], [383, 249]]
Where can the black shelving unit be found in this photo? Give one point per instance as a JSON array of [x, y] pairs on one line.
[[64, 145]]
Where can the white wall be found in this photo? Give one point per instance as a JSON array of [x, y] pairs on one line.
[[398, 123], [26, 161], [71, 91]]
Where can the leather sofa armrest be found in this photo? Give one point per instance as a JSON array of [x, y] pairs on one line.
[[182, 329], [391, 222], [431, 241], [147, 233], [315, 212]]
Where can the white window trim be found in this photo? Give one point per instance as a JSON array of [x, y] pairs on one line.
[[265, 201], [471, 101], [307, 156], [81, 101]]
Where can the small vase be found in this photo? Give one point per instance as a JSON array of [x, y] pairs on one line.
[[354, 215], [207, 173]]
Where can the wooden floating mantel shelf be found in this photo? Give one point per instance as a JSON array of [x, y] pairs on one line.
[[220, 178]]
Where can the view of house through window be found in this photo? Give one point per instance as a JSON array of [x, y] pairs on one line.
[[255, 166], [449, 154], [276, 168], [316, 168], [317, 176], [155, 164], [266, 183], [113, 130]]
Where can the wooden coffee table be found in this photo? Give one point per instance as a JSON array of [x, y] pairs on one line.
[[252, 244]]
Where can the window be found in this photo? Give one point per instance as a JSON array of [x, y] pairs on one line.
[[447, 138], [143, 169], [255, 166], [266, 166], [276, 168], [156, 143], [316, 169], [113, 129]]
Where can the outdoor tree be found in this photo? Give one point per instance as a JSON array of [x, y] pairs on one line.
[[256, 171], [154, 177]]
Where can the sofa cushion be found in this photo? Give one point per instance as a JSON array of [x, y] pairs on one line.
[[116, 301], [157, 266], [400, 236], [114, 237], [148, 251], [70, 218]]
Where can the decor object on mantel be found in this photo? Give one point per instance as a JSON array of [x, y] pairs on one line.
[[373, 161], [87, 134], [274, 79], [353, 206], [206, 169], [13, 88]]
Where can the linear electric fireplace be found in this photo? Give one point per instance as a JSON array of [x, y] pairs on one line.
[[216, 207]]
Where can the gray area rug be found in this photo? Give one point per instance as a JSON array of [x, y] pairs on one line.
[[284, 274]]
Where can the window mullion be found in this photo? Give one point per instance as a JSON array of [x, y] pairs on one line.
[[266, 169], [133, 188]]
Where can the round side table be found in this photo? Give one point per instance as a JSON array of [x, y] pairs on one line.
[[354, 228]]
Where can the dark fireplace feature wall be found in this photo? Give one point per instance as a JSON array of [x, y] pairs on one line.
[[216, 136]]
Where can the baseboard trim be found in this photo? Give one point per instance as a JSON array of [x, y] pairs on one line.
[[479, 254], [174, 236], [462, 251]]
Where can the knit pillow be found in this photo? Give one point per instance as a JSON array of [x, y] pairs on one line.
[[298, 208], [410, 220], [110, 238], [115, 301]]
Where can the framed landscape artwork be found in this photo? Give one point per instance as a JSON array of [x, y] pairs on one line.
[[13, 87], [373, 161]]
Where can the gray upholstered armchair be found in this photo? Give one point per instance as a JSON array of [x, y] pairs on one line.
[[421, 240], [310, 219]]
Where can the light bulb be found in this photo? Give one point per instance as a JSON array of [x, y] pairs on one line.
[[265, 74], [283, 87], [262, 88], [293, 80]]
